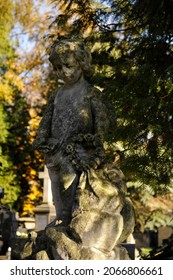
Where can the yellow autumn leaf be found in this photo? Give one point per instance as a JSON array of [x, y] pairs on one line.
[[33, 172], [6, 91], [14, 79]]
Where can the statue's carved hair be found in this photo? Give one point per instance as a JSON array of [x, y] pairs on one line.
[[78, 48]]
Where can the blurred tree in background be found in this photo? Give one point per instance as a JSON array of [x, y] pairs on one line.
[[19, 164], [25, 83], [8, 176], [131, 45]]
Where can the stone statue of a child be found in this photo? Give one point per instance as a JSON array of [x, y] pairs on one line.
[[73, 127]]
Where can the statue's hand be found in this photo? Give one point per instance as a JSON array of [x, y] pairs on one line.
[[45, 148], [95, 163], [45, 145], [39, 141]]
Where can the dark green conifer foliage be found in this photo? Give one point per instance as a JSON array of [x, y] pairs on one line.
[[132, 52]]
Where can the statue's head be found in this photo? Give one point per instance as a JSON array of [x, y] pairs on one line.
[[63, 48]]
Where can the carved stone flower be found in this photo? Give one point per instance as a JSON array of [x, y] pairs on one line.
[[69, 149], [88, 137]]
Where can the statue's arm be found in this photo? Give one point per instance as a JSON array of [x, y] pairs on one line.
[[43, 142], [101, 115]]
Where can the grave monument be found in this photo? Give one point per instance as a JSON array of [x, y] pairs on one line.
[[93, 215], [45, 212]]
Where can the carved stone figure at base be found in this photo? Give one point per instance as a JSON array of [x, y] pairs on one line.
[[92, 212]]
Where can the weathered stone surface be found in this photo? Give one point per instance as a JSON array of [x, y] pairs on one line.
[[62, 243], [41, 255], [102, 218], [119, 253], [129, 220], [93, 215]]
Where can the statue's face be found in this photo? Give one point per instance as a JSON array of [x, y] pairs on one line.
[[68, 69]]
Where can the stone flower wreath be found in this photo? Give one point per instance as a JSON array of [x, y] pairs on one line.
[[85, 151]]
